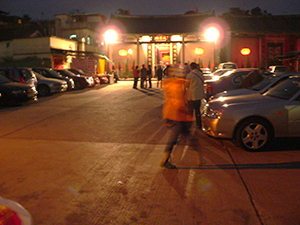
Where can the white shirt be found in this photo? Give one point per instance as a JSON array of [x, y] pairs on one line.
[[195, 89]]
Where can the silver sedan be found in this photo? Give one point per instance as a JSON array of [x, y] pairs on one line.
[[47, 86], [254, 120]]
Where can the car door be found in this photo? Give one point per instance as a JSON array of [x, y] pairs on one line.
[[294, 118]]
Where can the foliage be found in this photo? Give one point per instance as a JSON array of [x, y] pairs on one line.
[[126, 72], [253, 12]]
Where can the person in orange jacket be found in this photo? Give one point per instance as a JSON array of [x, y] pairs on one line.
[[175, 110]]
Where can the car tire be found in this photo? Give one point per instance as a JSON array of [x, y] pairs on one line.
[[43, 90], [254, 135], [78, 85]]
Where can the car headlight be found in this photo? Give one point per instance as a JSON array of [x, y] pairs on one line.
[[212, 113]]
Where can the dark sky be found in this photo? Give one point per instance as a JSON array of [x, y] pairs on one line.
[[47, 9]]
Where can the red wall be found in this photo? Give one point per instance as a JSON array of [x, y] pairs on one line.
[[237, 44]]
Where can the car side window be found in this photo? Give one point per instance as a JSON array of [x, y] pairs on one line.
[[11, 75], [237, 80], [25, 74]]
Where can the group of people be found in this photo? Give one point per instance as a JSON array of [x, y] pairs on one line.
[[145, 75], [183, 97]]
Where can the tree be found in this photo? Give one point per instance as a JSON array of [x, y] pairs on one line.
[[123, 12]]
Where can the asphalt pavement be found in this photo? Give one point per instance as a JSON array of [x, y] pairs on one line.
[[92, 157]]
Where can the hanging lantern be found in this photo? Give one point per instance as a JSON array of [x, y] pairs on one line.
[[123, 52], [199, 51], [245, 51]]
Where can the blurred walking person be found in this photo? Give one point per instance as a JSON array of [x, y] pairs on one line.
[[175, 109]]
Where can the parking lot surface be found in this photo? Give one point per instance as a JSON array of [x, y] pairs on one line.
[[92, 157]]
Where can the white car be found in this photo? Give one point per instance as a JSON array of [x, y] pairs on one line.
[[254, 120]]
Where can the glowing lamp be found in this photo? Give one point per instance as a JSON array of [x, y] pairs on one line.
[[245, 51], [123, 52], [212, 34], [110, 36], [199, 51], [129, 51]]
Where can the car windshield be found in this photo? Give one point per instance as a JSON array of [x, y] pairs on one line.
[[285, 90], [264, 83], [4, 79], [54, 74]]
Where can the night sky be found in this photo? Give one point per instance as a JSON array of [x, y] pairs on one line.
[[46, 9]]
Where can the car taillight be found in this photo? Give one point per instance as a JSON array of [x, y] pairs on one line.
[[209, 88]]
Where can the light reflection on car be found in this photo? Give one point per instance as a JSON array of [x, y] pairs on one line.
[[254, 120]]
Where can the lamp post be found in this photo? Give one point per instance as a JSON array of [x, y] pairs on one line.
[[212, 34], [110, 36]]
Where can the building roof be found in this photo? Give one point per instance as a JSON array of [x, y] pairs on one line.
[[267, 24], [169, 24]]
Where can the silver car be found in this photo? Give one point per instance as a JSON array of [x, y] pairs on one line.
[[261, 87], [254, 120], [228, 81], [47, 86]]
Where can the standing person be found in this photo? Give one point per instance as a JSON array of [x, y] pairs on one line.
[[149, 75], [143, 74], [253, 78], [175, 109], [195, 91], [159, 74], [135, 77]]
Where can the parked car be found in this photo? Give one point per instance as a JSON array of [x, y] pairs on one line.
[[261, 87], [227, 65], [49, 73], [21, 75], [207, 74], [47, 86], [81, 82], [216, 74], [92, 79], [278, 69], [12, 93], [254, 120], [104, 79], [228, 81]]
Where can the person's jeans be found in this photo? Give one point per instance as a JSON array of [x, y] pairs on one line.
[[177, 129]]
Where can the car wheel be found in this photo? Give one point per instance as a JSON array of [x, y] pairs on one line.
[[78, 85], [254, 135], [43, 90]]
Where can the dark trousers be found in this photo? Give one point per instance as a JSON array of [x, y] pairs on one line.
[[177, 129], [150, 83], [195, 106], [135, 82], [143, 82]]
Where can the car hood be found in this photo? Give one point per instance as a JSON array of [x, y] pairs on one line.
[[249, 100], [236, 92]]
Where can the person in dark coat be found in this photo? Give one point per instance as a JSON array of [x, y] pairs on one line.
[[159, 74], [143, 76], [253, 78], [149, 75]]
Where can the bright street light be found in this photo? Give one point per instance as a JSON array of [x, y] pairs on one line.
[[212, 34], [110, 36]]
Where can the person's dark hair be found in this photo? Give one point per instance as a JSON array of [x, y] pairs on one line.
[[136, 67], [193, 66]]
